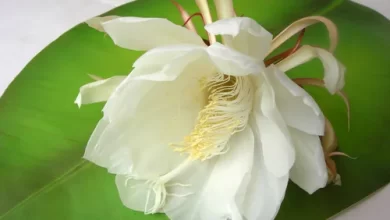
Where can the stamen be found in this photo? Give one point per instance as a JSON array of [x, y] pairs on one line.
[[230, 102]]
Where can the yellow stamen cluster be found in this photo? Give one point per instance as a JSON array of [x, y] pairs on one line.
[[227, 112]]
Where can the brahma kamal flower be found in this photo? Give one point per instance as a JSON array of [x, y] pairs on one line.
[[206, 130]]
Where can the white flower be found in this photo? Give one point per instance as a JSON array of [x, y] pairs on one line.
[[207, 132]]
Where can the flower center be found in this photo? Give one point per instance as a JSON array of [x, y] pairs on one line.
[[227, 112]]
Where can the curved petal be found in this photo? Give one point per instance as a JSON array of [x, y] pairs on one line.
[[301, 24], [216, 199], [140, 131], [98, 91], [231, 62], [247, 36], [136, 33], [309, 171], [297, 107], [275, 138], [334, 71], [265, 191], [167, 63]]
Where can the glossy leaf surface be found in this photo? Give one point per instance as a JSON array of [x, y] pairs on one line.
[[43, 134]]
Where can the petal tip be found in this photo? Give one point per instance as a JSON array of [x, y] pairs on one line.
[[337, 180], [78, 100]]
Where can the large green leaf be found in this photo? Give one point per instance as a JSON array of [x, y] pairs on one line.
[[43, 134]]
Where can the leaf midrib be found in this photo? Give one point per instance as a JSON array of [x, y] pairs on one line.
[[83, 164]]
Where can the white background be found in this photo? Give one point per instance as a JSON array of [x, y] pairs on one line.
[[27, 26]]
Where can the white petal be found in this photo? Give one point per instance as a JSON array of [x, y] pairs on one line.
[[146, 33], [217, 198], [116, 160], [278, 150], [298, 108], [96, 22], [309, 171], [167, 63], [231, 62], [248, 36], [141, 126], [160, 56], [185, 189], [98, 91], [133, 91], [277, 145], [265, 192], [227, 176], [333, 70]]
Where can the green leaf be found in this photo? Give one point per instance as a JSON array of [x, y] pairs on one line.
[[43, 134]]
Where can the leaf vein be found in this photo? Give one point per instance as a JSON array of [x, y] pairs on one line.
[[73, 171]]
